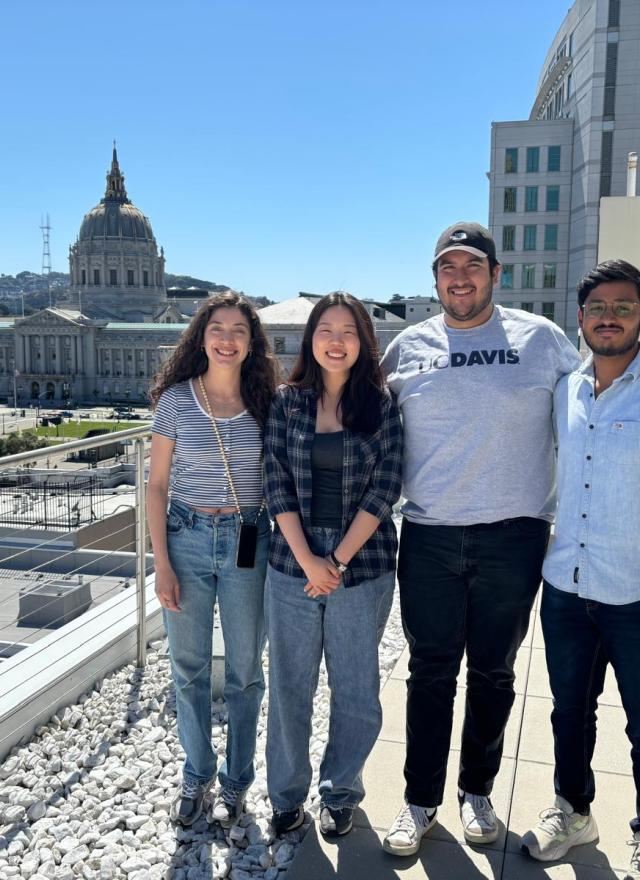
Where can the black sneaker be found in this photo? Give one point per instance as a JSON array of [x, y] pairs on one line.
[[226, 808], [335, 823], [187, 804], [288, 820]]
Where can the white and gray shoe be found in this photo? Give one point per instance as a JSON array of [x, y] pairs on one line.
[[410, 826], [479, 822], [559, 829], [226, 808], [186, 807]]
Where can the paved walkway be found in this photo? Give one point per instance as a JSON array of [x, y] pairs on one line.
[[523, 788]]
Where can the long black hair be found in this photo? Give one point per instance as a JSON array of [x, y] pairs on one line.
[[259, 371], [361, 399]]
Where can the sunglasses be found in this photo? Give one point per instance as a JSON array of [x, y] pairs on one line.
[[621, 308]]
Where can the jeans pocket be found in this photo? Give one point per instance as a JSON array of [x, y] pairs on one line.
[[175, 523]]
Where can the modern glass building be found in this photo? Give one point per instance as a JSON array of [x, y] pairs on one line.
[[549, 172]]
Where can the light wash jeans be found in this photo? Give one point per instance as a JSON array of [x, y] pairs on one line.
[[345, 626], [202, 550]]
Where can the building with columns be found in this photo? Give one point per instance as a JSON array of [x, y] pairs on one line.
[[105, 342]]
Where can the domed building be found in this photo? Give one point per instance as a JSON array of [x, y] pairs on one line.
[[115, 267], [106, 340]]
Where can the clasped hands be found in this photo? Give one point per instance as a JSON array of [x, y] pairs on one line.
[[322, 577]]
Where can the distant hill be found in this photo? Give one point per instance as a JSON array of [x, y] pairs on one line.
[[33, 287]]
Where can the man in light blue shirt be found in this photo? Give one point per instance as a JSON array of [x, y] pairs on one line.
[[591, 600]]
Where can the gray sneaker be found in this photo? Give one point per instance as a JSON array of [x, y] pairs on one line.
[[187, 804], [408, 829], [226, 808], [557, 831], [633, 873]]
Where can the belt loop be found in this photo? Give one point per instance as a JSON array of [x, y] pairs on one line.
[[190, 517]]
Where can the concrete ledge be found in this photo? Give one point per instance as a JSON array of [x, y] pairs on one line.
[[57, 669]]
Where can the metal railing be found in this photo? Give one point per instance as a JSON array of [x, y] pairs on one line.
[[52, 566]]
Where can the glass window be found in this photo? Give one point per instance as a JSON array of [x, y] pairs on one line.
[[508, 304], [529, 238], [549, 310], [527, 307], [551, 237], [113, 277], [553, 159], [511, 160], [96, 276], [533, 159], [278, 344], [506, 277], [531, 198], [549, 275], [509, 199], [145, 278], [528, 275], [508, 238], [553, 198], [84, 276], [130, 280]]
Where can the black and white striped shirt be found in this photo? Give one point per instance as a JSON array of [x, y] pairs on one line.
[[198, 477]]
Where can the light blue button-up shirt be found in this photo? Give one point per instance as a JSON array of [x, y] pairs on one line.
[[596, 549]]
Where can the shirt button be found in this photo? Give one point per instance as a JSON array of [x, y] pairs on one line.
[[591, 427], [582, 545], [584, 516], [586, 485], [588, 458]]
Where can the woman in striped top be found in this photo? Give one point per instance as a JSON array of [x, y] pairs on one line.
[[211, 402]]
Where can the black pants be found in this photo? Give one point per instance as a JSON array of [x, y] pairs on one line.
[[464, 587], [581, 637]]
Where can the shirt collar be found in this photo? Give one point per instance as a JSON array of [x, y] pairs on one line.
[[633, 370]]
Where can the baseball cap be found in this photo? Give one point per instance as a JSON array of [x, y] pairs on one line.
[[470, 237]]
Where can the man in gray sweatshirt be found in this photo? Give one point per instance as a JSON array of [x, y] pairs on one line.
[[475, 386]]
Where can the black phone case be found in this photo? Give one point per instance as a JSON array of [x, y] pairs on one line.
[[247, 545]]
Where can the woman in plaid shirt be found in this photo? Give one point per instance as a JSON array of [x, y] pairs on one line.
[[333, 455]]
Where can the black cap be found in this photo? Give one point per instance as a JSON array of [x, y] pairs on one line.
[[462, 236]]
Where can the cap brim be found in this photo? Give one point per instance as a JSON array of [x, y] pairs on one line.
[[461, 247]]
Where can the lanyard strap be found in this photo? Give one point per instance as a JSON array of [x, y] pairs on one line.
[[222, 452], [220, 444]]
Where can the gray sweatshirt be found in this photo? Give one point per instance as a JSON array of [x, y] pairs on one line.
[[476, 406]]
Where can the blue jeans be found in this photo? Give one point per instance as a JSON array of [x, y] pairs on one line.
[[345, 626], [202, 550], [464, 588], [581, 637]]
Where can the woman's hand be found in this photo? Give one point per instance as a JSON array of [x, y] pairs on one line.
[[168, 589], [322, 575]]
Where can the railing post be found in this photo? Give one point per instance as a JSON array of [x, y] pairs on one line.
[[141, 555]]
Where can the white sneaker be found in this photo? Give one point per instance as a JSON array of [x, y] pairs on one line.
[[633, 872], [478, 817], [408, 829], [558, 830]]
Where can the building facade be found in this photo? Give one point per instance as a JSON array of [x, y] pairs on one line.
[[548, 173], [106, 341]]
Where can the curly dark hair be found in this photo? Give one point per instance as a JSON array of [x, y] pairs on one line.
[[364, 390], [259, 373]]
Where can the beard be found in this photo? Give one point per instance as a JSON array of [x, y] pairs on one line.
[[483, 299], [611, 347]]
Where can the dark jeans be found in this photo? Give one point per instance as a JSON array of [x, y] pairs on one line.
[[581, 637], [464, 587]]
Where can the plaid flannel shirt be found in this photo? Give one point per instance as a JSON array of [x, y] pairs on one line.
[[371, 479]]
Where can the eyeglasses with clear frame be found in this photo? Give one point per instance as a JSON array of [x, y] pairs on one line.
[[621, 308]]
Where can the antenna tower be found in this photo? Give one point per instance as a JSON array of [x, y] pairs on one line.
[[45, 226]]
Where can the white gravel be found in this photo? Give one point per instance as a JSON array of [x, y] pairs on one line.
[[89, 795]]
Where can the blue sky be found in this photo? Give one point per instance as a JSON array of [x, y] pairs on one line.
[[275, 146]]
